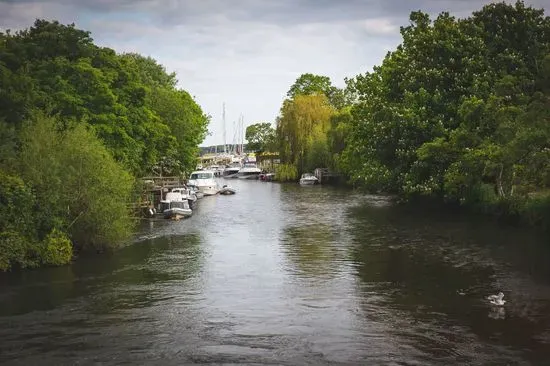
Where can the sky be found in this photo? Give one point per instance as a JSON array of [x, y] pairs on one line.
[[244, 53]]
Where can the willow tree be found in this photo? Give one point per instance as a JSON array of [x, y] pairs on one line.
[[303, 122]]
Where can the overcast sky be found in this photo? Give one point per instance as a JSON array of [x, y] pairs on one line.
[[245, 53]]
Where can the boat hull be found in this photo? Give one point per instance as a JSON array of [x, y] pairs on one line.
[[249, 176], [177, 213], [227, 191], [209, 191], [308, 182], [231, 175]]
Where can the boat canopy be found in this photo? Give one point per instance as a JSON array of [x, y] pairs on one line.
[[201, 175]]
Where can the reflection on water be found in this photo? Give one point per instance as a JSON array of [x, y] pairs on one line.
[[283, 274]]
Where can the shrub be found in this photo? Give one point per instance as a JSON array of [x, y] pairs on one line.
[[286, 173], [57, 249]]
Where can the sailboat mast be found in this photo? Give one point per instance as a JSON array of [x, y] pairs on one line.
[[242, 133], [224, 137]]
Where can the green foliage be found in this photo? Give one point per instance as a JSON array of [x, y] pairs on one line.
[[76, 120], [81, 188], [17, 203], [318, 156], [13, 250], [260, 137], [303, 121], [130, 100], [310, 84], [57, 249], [286, 173], [458, 111]]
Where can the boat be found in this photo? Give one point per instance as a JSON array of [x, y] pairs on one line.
[[249, 171], [188, 193], [195, 191], [308, 179], [227, 190], [175, 206], [204, 181], [216, 169], [232, 170], [267, 177]]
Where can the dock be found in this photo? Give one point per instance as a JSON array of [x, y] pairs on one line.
[[325, 176]]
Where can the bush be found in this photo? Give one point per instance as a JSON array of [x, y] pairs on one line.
[[12, 250], [57, 249], [81, 188], [16, 205], [318, 156], [286, 173], [536, 211]]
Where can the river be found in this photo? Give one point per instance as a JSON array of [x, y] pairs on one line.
[[290, 275]]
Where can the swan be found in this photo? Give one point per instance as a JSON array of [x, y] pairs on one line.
[[497, 299]]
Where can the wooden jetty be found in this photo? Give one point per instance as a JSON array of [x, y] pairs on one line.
[[154, 189], [325, 176]]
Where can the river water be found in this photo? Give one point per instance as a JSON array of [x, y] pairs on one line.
[[290, 275]]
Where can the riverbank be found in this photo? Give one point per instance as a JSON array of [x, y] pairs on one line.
[[533, 211]]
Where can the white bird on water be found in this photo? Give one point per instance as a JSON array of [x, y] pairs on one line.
[[497, 299]]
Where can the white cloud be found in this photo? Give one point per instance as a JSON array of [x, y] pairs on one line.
[[380, 26]]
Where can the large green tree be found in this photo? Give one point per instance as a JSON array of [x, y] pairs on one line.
[[126, 98], [260, 137], [78, 123], [459, 110]]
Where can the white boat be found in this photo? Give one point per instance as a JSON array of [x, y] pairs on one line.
[[249, 171], [195, 191], [188, 194], [232, 170], [204, 181], [175, 206], [216, 169], [308, 179], [227, 190]]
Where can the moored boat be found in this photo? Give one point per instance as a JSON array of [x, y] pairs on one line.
[[204, 181], [188, 194], [175, 206], [227, 190], [232, 170], [308, 179], [249, 171]]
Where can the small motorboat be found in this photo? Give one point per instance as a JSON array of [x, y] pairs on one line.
[[227, 190], [188, 194], [175, 206], [195, 191], [267, 177], [308, 179]]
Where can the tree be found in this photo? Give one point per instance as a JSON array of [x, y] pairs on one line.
[[130, 100], [302, 121], [458, 107], [82, 190], [310, 84], [260, 137]]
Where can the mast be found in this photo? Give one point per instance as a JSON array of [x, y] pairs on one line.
[[242, 133], [224, 137]]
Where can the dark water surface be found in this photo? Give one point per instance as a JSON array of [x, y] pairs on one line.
[[282, 274]]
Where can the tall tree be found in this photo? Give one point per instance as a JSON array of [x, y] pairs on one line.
[[302, 121], [260, 137]]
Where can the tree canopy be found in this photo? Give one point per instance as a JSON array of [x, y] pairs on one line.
[[78, 123], [260, 137], [459, 110]]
